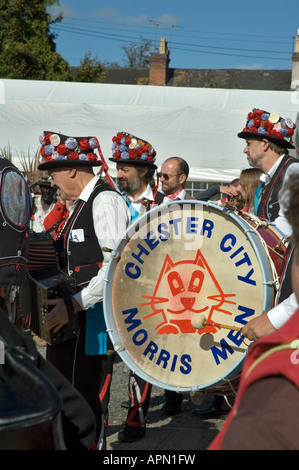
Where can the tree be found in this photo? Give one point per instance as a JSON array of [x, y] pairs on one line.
[[27, 47], [90, 70], [138, 54]]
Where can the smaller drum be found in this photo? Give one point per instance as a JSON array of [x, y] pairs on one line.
[[177, 261]]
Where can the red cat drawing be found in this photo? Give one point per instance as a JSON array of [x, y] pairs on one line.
[[184, 289]]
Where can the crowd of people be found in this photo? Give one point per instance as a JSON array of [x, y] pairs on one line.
[[86, 217]]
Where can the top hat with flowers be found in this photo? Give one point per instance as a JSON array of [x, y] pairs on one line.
[[129, 149], [58, 151], [261, 124]]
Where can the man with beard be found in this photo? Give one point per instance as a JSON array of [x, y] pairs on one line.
[[134, 158], [268, 140]]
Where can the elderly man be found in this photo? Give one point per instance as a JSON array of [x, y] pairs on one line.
[[97, 219]]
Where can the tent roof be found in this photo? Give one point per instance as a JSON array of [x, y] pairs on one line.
[[198, 124]]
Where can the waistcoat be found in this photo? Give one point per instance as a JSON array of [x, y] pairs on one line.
[[268, 207]]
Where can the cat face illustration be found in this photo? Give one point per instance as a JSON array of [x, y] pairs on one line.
[[183, 289]]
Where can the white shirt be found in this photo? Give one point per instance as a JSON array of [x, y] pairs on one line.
[[279, 314], [137, 203], [181, 196], [42, 210], [111, 217]]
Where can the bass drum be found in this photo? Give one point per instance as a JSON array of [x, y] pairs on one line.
[[180, 260]]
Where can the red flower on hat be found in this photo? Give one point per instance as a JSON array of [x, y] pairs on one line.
[[42, 152], [92, 157], [47, 138], [117, 154], [268, 125], [48, 159], [84, 144], [62, 149], [133, 153], [128, 140], [74, 156], [258, 112], [257, 122]]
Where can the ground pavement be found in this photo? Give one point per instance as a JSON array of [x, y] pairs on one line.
[[187, 430]]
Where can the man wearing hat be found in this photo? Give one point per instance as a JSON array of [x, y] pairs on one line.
[[97, 220], [43, 204], [269, 137], [135, 163]]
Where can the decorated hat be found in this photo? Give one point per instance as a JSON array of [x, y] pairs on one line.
[[60, 151], [264, 125], [127, 148]]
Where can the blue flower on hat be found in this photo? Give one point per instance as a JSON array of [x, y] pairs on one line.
[[265, 116], [93, 143], [261, 130], [144, 156], [71, 143], [83, 156], [125, 155], [250, 123], [49, 149]]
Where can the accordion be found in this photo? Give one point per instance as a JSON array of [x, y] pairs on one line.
[[45, 281]]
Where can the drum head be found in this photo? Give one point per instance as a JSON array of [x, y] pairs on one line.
[[178, 261]]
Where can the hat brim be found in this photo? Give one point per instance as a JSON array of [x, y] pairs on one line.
[[67, 164], [135, 163], [275, 140]]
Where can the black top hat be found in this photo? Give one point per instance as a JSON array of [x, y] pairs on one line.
[[261, 124], [129, 149], [58, 151]]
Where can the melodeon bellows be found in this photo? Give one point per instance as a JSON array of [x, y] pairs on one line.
[[46, 281]]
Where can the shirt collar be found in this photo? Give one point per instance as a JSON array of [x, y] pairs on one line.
[[147, 194], [266, 177]]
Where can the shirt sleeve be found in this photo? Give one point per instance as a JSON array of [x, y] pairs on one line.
[[281, 221], [111, 218], [280, 314], [207, 193]]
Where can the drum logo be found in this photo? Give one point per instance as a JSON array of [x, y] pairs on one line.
[[185, 283]]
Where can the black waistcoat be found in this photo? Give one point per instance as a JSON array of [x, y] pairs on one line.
[[268, 207], [81, 259]]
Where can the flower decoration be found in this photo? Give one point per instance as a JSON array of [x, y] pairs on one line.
[[128, 147], [57, 147], [270, 124]]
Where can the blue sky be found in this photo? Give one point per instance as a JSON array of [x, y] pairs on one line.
[[200, 34]]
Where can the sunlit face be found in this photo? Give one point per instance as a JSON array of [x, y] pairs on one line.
[[170, 177], [254, 152], [128, 178], [61, 179]]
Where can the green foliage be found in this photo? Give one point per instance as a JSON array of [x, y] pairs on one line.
[[90, 70], [27, 47]]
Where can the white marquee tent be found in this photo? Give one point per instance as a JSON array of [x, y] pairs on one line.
[[198, 124]]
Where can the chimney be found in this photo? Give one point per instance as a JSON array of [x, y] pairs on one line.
[[295, 65], [158, 73]]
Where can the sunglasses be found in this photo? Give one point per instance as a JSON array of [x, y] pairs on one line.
[[166, 176]]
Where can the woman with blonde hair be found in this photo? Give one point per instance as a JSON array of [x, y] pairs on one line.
[[249, 181]]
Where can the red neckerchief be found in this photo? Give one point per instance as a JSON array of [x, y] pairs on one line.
[[173, 196]]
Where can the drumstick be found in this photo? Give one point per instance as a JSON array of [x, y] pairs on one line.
[[200, 322]]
